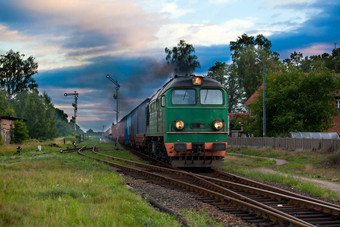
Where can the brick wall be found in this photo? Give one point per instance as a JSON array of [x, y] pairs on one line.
[[5, 126]]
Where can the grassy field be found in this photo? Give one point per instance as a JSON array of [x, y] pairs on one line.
[[324, 166], [47, 188]]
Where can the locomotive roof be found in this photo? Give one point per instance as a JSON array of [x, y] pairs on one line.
[[186, 81]]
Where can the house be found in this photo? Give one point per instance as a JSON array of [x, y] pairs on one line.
[[253, 97], [6, 124], [336, 119]]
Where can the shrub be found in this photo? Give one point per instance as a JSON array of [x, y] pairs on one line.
[[334, 159], [20, 132]]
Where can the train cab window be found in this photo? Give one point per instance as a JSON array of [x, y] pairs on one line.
[[183, 97], [162, 101], [211, 97]]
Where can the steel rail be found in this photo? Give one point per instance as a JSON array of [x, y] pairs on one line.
[[278, 196], [216, 191], [327, 208], [253, 183]]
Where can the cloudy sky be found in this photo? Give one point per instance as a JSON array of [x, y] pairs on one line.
[[78, 42]]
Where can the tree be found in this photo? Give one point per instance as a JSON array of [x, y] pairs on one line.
[[294, 60], [64, 127], [314, 62], [296, 102], [225, 74], [246, 52], [336, 60], [90, 131], [182, 58], [218, 72], [236, 95], [39, 113], [16, 73], [20, 132], [5, 106]]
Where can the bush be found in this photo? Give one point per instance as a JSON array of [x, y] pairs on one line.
[[20, 132], [333, 160]]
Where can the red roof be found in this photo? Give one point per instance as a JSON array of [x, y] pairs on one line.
[[253, 96]]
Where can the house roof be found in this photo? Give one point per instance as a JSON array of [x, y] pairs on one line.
[[253, 96]]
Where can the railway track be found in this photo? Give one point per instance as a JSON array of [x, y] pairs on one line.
[[253, 204]]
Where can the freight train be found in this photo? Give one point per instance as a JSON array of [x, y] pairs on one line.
[[185, 123]]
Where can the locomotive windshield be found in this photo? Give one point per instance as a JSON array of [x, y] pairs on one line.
[[211, 97], [183, 97]]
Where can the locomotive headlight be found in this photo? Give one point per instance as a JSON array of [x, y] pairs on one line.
[[196, 80], [218, 125], [179, 125]]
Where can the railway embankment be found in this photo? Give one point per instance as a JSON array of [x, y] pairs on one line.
[[312, 172], [334, 186]]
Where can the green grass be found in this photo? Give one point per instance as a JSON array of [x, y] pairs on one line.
[[200, 218], [48, 188], [301, 163], [325, 166], [251, 162], [109, 149]]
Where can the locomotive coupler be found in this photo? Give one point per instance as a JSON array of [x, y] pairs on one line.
[[199, 148]]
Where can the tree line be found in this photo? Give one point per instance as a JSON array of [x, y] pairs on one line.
[[300, 90], [20, 98]]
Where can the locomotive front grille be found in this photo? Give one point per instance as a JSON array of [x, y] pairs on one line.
[[197, 125]]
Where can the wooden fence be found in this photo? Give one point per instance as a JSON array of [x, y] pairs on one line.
[[325, 145]]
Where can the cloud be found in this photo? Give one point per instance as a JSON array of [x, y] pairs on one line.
[[87, 119], [117, 22], [139, 78], [64, 33], [46, 50], [8, 35], [202, 34], [291, 3], [219, 1], [208, 55], [173, 11], [316, 49], [321, 29]]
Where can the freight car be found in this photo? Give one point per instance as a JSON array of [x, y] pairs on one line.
[[185, 123]]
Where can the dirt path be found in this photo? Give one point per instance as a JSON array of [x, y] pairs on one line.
[[279, 162]]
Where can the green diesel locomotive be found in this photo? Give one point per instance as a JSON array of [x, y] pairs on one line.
[[185, 123]]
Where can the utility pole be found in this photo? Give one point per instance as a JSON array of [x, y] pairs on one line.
[[115, 96], [264, 98], [75, 94]]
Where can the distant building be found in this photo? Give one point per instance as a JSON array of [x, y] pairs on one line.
[[6, 124], [336, 119]]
